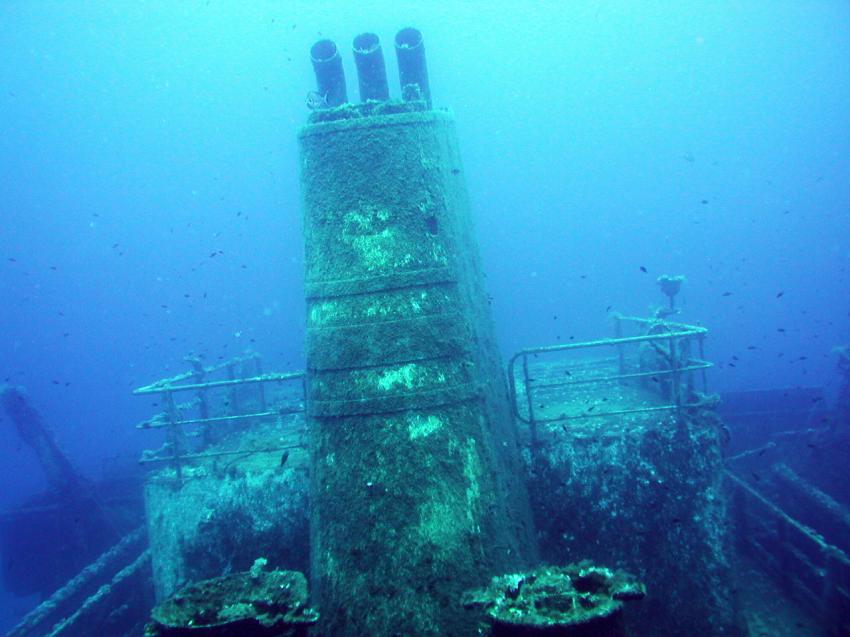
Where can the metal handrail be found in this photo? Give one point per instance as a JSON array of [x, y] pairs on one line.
[[155, 423], [170, 418], [157, 388], [674, 332]]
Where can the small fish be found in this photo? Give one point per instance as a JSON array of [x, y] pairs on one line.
[[756, 476], [316, 100], [284, 457], [642, 268], [779, 295], [726, 294], [780, 329], [751, 347], [704, 201], [608, 309], [455, 171], [12, 260], [731, 364]]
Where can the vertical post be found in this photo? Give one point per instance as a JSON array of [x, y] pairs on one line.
[[233, 394], [203, 407], [261, 387], [174, 433], [689, 374], [527, 382], [675, 389], [702, 358], [621, 356]]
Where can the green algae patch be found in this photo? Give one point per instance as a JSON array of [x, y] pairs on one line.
[[421, 425]]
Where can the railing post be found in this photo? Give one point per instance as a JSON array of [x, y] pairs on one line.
[[675, 389], [689, 374], [530, 401], [261, 386], [233, 394], [174, 433], [621, 356], [701, 340], [203, 407]]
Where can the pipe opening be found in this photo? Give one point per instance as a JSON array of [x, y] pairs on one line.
[[366, 43], [408, 38], [323, 51]]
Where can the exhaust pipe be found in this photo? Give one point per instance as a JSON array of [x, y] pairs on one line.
[[371, 72], [412, 70], [330, 78]]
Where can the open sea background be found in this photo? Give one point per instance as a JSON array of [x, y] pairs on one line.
[[150, 200]]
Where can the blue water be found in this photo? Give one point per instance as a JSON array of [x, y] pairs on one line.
[[137, 140]]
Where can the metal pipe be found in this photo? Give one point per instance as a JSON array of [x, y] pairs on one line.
[[371, 72], [161, 389], [412, 69], [330, 78]]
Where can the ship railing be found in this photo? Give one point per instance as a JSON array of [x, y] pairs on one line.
[[245, 399], [810, 570], [663, 355]]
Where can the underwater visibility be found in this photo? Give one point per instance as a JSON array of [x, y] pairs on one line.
[[576, 356]]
